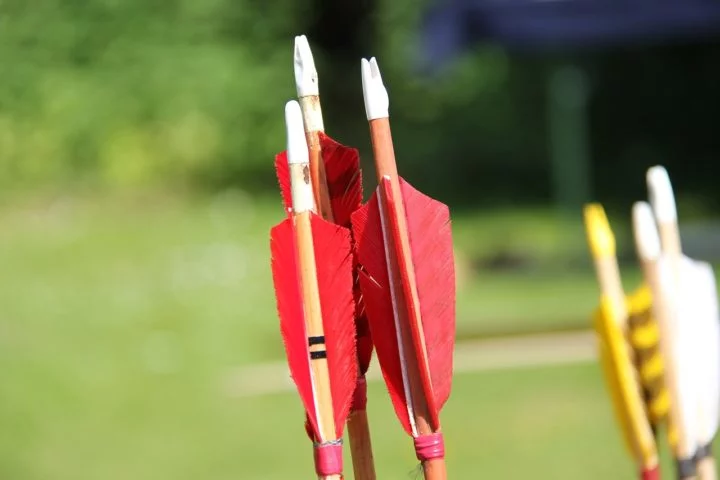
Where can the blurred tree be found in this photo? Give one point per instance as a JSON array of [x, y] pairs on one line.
[[126, 93]]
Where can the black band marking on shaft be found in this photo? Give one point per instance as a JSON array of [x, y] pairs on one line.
[[686, 468], [703, 452], [318, 340], [318, 355]]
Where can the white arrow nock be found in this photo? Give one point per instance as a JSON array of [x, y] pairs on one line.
[[661, 195], [298, 159], [647, 239], [306, 77], [376, 98]]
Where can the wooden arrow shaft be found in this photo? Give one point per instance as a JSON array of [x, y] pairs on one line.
[[412, 379], [608, 275], [384, 154], [406, 303]]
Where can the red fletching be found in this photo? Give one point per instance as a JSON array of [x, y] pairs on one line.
[[428, 223], [335, 280], [290, 308], [282, 171], [370, 250], [364, 341], [362, 328], [434, 266], [342, 171], [344, 179]]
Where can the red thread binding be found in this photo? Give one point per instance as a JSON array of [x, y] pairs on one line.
[[651, 473], [328, 459], [428, 447], [359, 400]]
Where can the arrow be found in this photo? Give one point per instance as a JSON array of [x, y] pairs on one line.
[[645, 330], [672, 341], [337, 185], [407, 276], [690, 288], [312, 269], [616, 355]]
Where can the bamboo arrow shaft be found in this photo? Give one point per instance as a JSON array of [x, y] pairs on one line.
[[672, 247], [670, 238], [360, 446], [662, 312], [707, 469], [358, 428], [313, 121], [314, 326], [307, 273]]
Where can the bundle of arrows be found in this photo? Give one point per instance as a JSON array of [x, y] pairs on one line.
[[660, 346], [352, 277]]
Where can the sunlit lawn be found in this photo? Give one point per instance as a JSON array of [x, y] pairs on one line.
[[120, 317], [546, 423], [153, 271]]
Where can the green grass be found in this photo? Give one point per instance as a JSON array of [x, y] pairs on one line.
[[120, 317], [153, 271], [553, 286], [512, 303], [544, 423]]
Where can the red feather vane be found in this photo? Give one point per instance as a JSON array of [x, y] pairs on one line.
[[344, 182], [430, 238], [333, 259], [343, 175]]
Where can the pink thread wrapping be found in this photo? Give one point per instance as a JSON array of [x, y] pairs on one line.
[[428, 447], [328, 459], [651, 474], [359, 400]]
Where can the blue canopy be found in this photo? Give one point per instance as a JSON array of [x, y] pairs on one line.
[[450, 26]]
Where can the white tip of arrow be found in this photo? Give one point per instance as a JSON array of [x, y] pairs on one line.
[[661, 194], [297, 149], [647, 238], [376, 98], [306, 77]]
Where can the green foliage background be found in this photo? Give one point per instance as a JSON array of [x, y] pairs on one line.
[[141, 93], [129, 93], [133, 93]]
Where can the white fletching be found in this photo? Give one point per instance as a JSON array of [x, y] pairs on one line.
[[298, 159], [706, 323], [377, 103], [647, 239], [306, 77], [661, 194], [683, 361]]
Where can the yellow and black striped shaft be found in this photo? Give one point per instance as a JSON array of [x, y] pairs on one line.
[[644, 337]]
